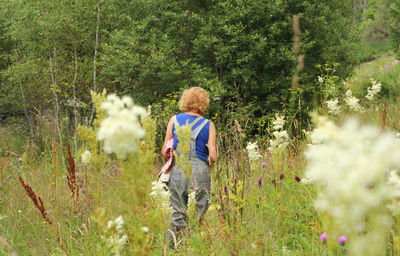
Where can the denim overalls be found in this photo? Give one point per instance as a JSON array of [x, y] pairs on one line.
[[178, 185]]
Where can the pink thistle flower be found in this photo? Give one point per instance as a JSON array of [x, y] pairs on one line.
[[260, 181], [20, 160], [323, 236], [263, 164], [342, 239]]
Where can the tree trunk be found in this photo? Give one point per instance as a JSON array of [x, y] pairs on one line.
[[55, 97], [25, 111], [95, 58], [75, 102]]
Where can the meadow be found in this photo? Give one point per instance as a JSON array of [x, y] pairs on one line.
[[57, 199]]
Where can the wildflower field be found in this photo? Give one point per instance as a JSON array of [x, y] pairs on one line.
[[303, 95], [333, 190]]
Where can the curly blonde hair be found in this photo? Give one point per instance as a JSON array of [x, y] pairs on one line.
[[194, 99]]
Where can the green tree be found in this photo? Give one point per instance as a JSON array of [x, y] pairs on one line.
[[394, 25], [236, 49]]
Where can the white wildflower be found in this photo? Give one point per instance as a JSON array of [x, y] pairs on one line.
[[252, 151], [110, 224], [280, 136], [352, 102], [85, 156], [324, 131], [161, 196], [280, 140], [320, 79], [115, 236], [333, 106], [278, 122], [373, 90], [145, 229], [349, 168], [121, 128], [394, 192], [398, 138], [119, 221], [192, 199], [116, 242], [306, 180], [192, 205], [116, 224]]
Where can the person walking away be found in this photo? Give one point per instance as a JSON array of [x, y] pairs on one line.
[[202, 155]]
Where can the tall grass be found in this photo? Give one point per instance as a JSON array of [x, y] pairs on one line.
[[257, 208]]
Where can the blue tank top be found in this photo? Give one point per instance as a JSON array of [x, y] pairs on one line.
[[202, 138]]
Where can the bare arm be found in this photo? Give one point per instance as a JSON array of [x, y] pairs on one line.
[[212, 148], [168, 136]]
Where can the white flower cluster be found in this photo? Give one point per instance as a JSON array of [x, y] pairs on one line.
[[252, 151], [278, 122], [333, 106], [161, 196], [398, 138], [192, 205], [85, 157], [352, 102], [121, 128], [115, 237], [394, 192], [281, 137], [373, 90], [321, 79], [324, 131], [349, 167]]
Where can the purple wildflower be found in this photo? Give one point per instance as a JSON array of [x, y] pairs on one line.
[[281, 176], [342, 239], [20, 159], [323, 236], [65, 212], [260, 181], [263, 164]]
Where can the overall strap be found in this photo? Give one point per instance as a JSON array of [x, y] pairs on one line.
[[176, 124], [196, 131], [193, 138]]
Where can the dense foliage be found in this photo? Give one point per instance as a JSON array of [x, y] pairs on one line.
[[394, 25], [80, 182], [241, 51]]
